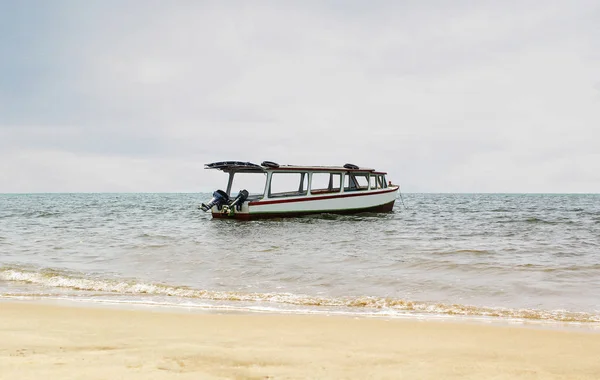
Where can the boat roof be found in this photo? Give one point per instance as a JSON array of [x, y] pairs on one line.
[[249, 167]]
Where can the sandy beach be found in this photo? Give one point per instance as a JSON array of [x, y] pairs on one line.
[[64, 342]]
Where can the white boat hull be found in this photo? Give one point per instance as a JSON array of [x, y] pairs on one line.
[[339, 203]]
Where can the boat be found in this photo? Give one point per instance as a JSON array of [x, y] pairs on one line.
[[291, 191]]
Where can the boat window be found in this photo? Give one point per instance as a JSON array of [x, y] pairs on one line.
[[362, 180], [322, 183], [380, 182], [384, 182], [373, 182], [354, 181], [288, 184], [254, 183]]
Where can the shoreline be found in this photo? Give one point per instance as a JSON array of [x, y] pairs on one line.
[[67, 341], [226, 309]]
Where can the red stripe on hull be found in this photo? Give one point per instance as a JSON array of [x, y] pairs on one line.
[[359, 193], [381, 208]]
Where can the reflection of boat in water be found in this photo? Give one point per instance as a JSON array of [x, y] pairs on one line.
[[286, 190]]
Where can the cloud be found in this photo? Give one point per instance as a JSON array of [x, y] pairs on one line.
[[468, 97]]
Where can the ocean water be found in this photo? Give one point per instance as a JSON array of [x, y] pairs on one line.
[[525, 258]]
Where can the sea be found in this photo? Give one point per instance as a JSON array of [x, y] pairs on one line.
[[507, 258]]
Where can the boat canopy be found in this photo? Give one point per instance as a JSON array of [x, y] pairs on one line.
[[249, 167], [235, 166]]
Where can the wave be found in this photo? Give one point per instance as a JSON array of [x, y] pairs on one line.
[[506, 219], [49, 278], [464, 251], [535, 220], [38, 214], [482, 267]]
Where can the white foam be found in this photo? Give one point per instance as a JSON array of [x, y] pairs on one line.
[[302, 303]]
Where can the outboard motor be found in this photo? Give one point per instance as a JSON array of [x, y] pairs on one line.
[[239, 200], [219, 199]]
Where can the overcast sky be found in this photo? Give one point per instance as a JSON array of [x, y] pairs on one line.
[[447, 96]]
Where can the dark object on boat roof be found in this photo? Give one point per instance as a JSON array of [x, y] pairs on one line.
[[226, 164], [270, 164], [351, 166]]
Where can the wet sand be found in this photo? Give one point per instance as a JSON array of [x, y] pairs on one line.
[[40, 341]]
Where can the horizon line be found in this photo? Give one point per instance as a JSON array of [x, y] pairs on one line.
[[201, 192]]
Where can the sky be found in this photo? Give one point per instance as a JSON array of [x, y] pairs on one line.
[[446, 96]]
